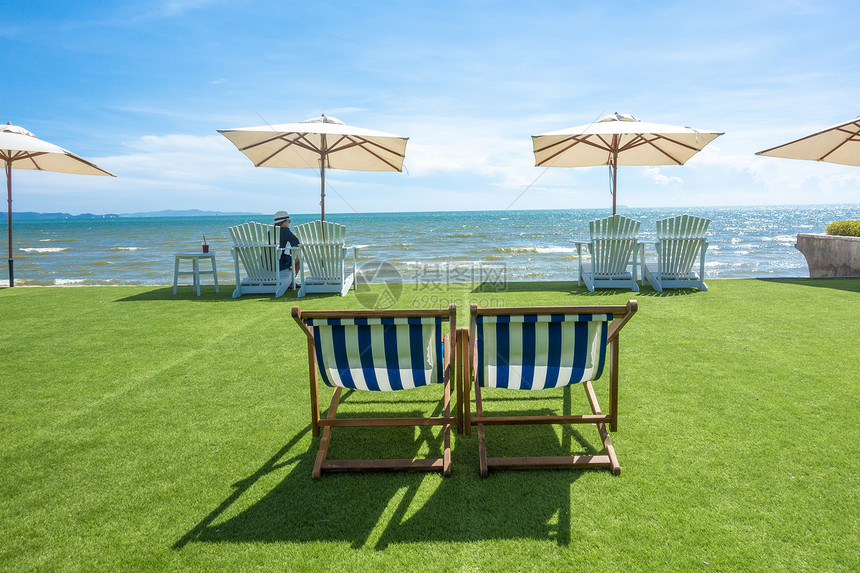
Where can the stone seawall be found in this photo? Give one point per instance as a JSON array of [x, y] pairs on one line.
[[830, 256]]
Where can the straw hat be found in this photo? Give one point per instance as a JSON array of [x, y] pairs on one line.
[[281, 216]]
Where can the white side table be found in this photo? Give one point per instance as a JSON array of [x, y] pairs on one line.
[[195, 257]]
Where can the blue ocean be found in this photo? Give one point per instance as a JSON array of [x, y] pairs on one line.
[[449, 246]]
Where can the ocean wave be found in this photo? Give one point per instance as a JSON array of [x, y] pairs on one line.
[[91, 282], [535, 250], [43, 250], [783, 239], [125, 249]]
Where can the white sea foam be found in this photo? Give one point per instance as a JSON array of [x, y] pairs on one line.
[[125, 249], [784, 239], [43, 249]]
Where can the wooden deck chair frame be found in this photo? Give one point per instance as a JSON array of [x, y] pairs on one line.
[[306, 319], [680, 241], [327, 265], [256, 246], [613, 248], [468, 378]]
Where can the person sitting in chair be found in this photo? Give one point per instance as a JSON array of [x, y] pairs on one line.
[[282, 220]]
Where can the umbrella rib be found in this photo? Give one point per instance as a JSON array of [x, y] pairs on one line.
[[284, 137], [642, 140], [361, 145], [355, 140], [21, 155], [300, 141], [574, 140], [850, 138], [855, 123]]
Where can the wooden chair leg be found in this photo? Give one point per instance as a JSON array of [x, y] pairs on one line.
[[482, 443], [456, 370], [465, 379], [601, 428], [446, 429], [314, 388], [326, 435]]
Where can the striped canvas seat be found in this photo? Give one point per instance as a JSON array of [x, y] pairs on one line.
[[380, 354], [534, 352], [540, 348], [378, 351]]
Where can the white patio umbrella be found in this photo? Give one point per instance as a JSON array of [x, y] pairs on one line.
[[837, 144], [20, 149], [319, 143], [619, 139]]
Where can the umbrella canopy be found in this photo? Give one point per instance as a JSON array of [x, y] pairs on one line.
[[20, 149], [837, 144], [319, 143], [619, 139]]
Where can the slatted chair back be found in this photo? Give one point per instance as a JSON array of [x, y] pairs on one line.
[[378, 351], [325, 261], [680, 240], [321, 232], [256, 245], [613, 241], [325, 266], [538, 348]]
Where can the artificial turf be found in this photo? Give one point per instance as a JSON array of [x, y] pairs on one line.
[[146, 431]]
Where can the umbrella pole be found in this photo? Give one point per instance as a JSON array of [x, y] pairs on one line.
[[322, 191], [614, 178], [322, 174], [9, 212]]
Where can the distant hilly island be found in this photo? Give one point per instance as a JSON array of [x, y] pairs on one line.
[[22, 215]]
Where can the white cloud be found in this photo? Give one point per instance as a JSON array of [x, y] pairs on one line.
[[654, 174]]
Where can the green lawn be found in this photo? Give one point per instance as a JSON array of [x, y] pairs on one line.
[[143, 431]]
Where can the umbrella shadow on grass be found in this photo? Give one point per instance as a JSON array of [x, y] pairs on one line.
[[375, 510]]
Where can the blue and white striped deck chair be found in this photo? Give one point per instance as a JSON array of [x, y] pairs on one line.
[[539, 348], [378, 351]]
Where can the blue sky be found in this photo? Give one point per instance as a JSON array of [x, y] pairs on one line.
[[140, 88]]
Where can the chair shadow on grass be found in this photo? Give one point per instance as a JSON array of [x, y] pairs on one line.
[[207, 294], [374, 510], [571, 288]]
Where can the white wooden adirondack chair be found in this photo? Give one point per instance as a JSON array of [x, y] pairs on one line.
[[679, 241], [256, 245], [325, 258], [613, 248]]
